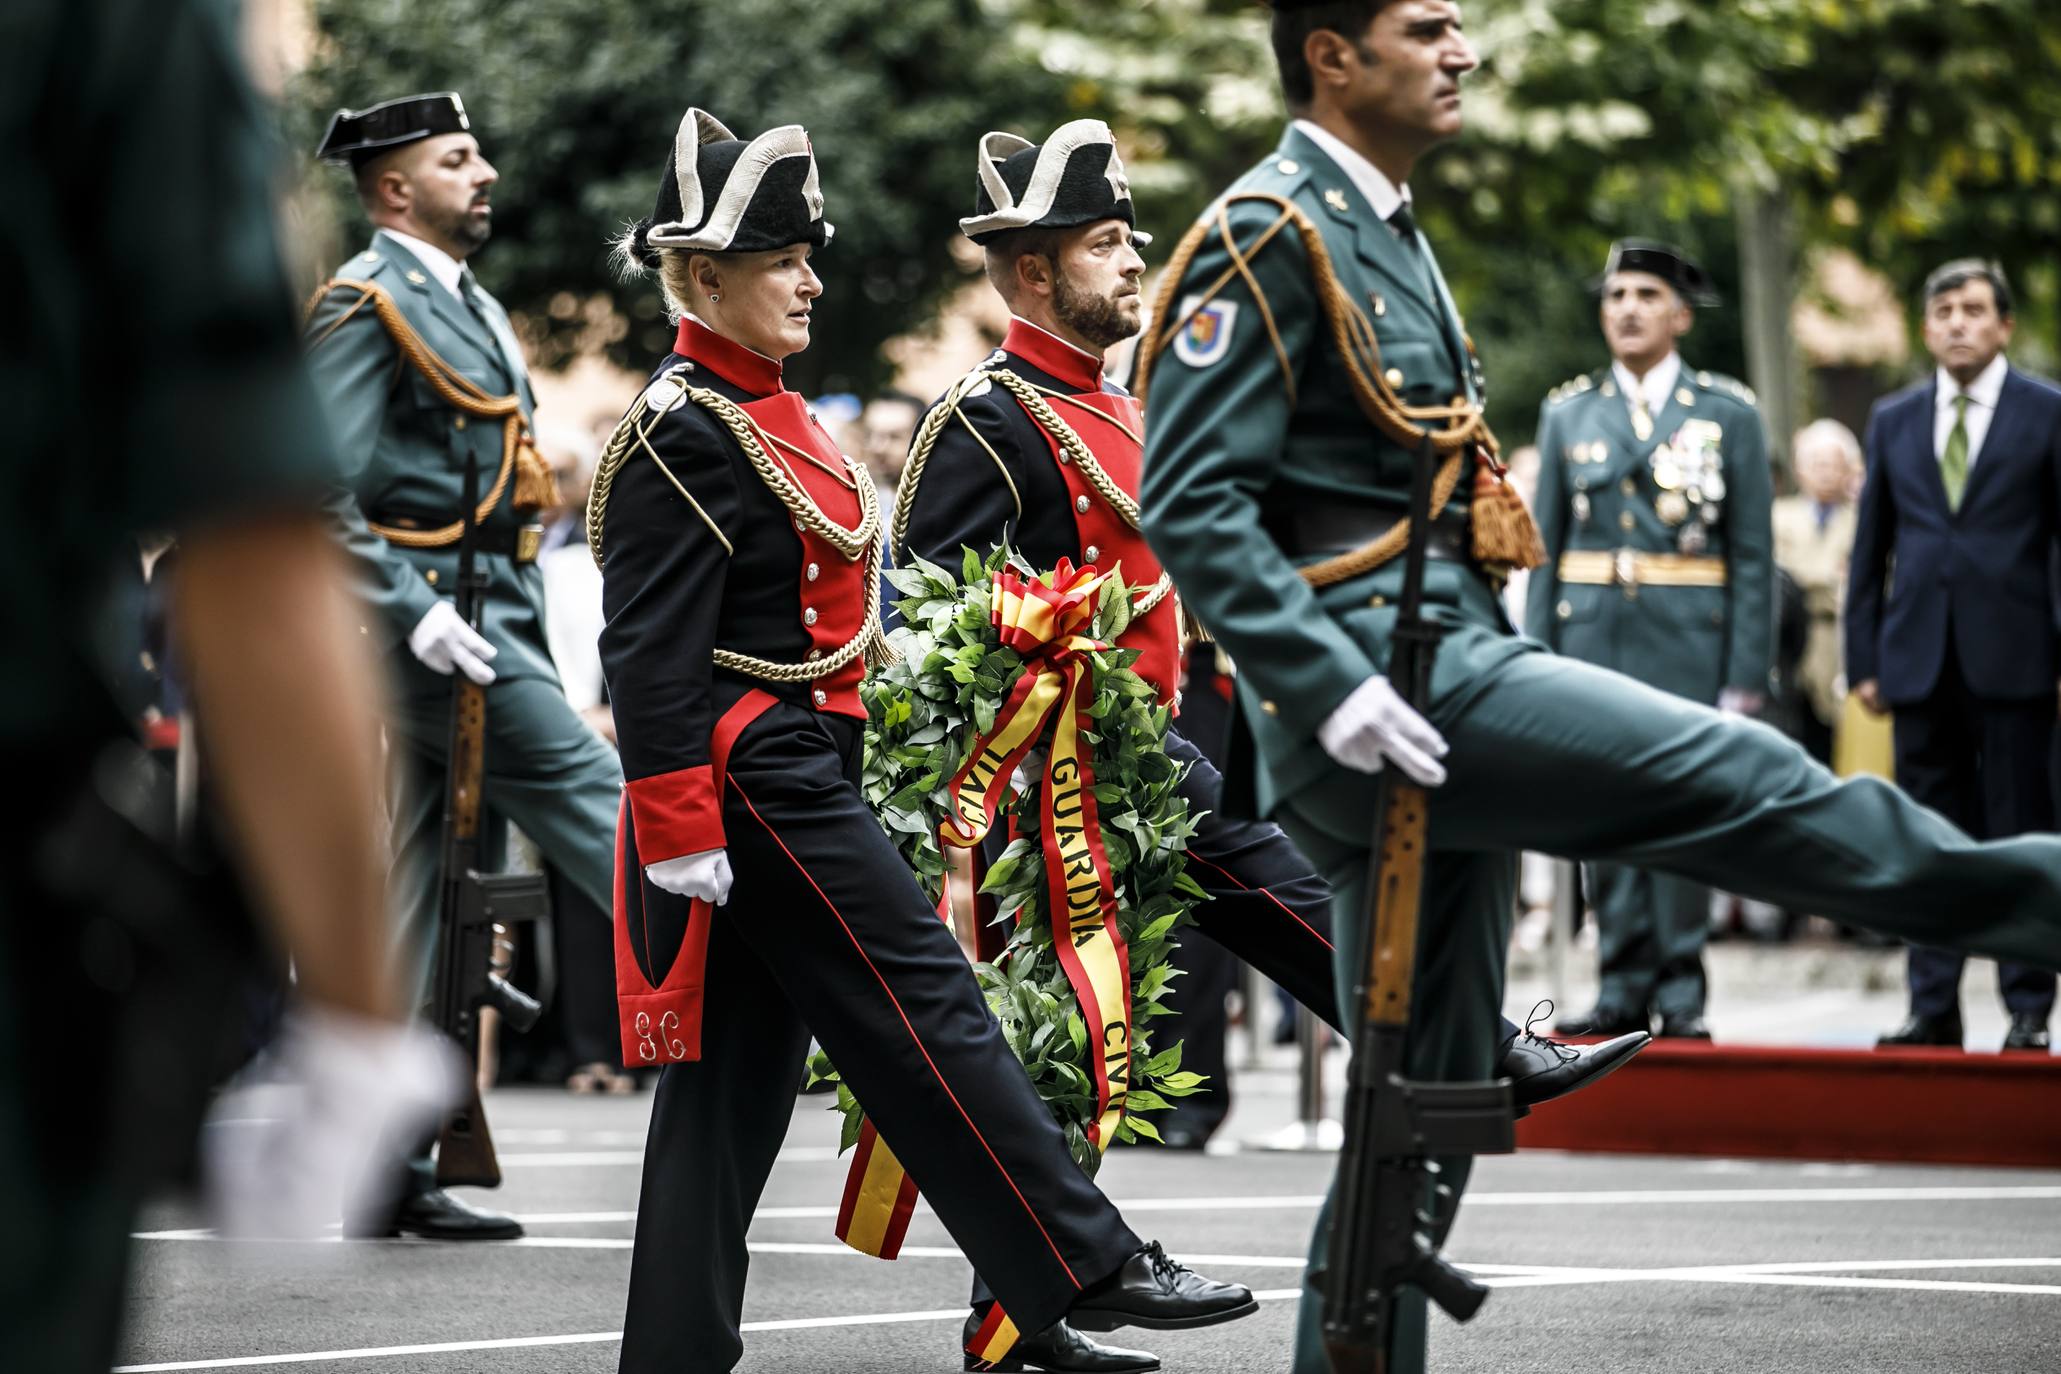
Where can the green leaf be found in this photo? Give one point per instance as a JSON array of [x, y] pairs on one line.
[[1141, 1126]]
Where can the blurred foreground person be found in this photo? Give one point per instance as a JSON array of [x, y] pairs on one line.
[[1950, 612], [1654, 501], [1310, 346], [420, 373], [121, 944], [740, 555]]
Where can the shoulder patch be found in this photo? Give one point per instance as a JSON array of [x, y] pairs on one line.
[[1206, 337]]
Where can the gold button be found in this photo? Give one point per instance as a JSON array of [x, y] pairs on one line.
[[1626, 520], [458, 422], [1377, 602], [430, 577], [1628, 487], [1394, 378], [1565, 609], [1081, 504], [149, 663], [1270, 708], [814, 572], [809, 616]]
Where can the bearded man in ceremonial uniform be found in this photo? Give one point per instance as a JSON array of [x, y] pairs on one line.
[[1036, 448], [420, 374], [1306, 346], [1655, 504]]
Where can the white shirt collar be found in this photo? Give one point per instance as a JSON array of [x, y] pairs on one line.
[[439, 264], [1383, 195], [1655, 387], [1984, 391]]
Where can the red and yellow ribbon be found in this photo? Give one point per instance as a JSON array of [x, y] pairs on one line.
[[1046, 621]]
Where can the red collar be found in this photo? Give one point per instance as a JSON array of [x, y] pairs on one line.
[[1053, 355], [732, 361]]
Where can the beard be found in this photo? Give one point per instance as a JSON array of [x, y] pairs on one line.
[[1103, 320], [460, 227]]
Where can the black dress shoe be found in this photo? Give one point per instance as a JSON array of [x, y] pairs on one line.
[[1604, 1020], [436, 1215], [1925, 1030], [1151, 1290], [2029, 1033], [1689, 1025], [1541, 1069], [1061, 1347]]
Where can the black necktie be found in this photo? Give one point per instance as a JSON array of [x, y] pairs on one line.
[[1404, 224]]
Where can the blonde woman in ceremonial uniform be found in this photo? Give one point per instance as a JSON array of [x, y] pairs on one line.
[[757, 899]]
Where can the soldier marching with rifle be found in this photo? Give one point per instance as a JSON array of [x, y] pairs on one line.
[[1304, 356], [425, 387]]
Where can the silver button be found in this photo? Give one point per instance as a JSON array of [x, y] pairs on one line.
[[809, 616], [800, 528], [822, 697], [815, 654], [814, 572], [1288, 167], [1081, 504], [1093, 553], [1564, 610]]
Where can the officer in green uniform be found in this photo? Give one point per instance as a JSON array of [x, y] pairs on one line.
[[151, 385], [420, 373], [1655, 503], [1302, 344]]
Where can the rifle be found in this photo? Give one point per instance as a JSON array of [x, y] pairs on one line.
[[471, 905], [1387, 1201]]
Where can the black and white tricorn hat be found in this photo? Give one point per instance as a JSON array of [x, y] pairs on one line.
[[1664, 261], [1074, 177], [358, 136], [720, 194]]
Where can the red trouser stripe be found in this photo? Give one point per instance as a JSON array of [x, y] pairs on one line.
[[921, 1048], [1286, 909]]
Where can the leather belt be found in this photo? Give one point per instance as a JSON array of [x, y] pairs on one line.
[[520, 545], [1631, 569], [1321, 531]]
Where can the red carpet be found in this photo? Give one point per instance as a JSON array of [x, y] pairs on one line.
[[1915, 1106]]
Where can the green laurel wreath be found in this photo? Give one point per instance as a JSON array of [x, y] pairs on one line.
[[924, 713]]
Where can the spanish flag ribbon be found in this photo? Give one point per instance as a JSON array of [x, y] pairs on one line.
[[1046, 620]]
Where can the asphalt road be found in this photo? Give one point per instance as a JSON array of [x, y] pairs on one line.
[[1602, 1264]]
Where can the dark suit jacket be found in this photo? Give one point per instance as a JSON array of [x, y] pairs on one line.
[[1924, 578]]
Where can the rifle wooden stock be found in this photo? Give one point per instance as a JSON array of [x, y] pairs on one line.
[[465, 1147]]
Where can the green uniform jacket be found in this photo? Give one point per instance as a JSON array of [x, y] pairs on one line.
[[1601, 488], [404, 450], [1228, 449]]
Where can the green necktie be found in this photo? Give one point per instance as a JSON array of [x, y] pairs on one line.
[[1953, 464]]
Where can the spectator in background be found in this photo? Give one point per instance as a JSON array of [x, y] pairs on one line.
[[1963, 476], [885, 428], [1813, 537]]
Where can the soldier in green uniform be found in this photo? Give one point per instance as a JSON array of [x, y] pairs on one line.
[[1655, 503], [1303, 344], [419, 373]]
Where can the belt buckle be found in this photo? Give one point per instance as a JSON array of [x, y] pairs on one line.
[[529, 542], [1624, 570]]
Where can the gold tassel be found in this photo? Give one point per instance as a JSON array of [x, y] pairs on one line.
[[536, 487], [881, 653], [1505, 535]]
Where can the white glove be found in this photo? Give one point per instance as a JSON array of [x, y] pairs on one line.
[[1375, 725], [1031, 770], [443, 641], [1740, 701], [356, 1090], [705, 875]]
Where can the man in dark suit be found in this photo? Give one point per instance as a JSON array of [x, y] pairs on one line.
[[1962, 496]]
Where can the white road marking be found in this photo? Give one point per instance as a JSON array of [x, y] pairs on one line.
[[570, 1159]]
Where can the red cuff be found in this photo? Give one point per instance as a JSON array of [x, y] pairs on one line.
[[676, 814]]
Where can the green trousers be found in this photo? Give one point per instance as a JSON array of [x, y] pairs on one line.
[[1556, 755], [546, 772], [1651, 928]]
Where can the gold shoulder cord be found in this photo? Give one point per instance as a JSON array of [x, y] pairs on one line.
[[634, 433], [519, 459], [1071, 446], [1353, 333]]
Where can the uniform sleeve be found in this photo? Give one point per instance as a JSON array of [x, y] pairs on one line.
[[353, 361], [1214, 435], [1750, 552], [1549, 508], [662, 578], [1868, 566], [969, 491]]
